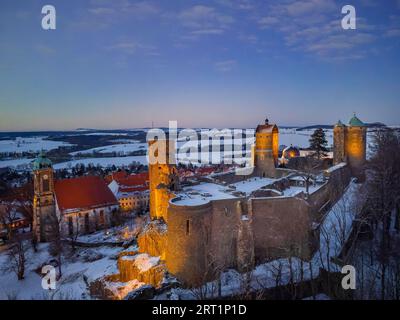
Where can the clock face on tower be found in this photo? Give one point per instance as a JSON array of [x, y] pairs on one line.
[[45, 177]]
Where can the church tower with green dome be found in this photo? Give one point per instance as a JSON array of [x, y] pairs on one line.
[[43, 201], [350, 145], [356, 146]]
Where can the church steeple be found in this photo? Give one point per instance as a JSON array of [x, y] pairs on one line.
[[43, 202]]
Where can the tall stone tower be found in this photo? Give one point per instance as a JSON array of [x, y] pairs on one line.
[[356, 146], [339, 143], [350, 145], [43, 200], [266, 149], [163, 176]]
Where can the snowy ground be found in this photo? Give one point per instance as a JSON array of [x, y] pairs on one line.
[[79, 268], [72, 284], [23, 163], [286, 137], [33, 144], [120, 149], [103, 162]]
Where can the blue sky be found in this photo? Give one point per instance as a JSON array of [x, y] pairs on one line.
[[216, 63]]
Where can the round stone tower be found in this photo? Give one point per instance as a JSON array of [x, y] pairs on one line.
[[266, 149], [163, 176], [339, 143], [356, 146]]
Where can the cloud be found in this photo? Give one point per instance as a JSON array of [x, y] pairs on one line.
[[238, 4], [205, 20], [392, 33], [102, 14], [268, 21], [111, 7], [207, 31], [44, 50], [128, 47], [314, 27], [225, 66]]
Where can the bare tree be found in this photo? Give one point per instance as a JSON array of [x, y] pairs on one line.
[[308, 172], [17, 257], [8, 214], [56, 247]]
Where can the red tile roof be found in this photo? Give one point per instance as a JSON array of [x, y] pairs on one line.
[[83, 193], [116, 176], [205, 171], [140, 179]]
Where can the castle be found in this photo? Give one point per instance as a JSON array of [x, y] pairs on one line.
[[222, 221], [231, 221]]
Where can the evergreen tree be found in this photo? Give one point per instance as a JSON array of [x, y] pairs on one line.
[[318, 143]]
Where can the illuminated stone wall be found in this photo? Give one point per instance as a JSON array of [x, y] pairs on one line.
[[237, 233], [266, 151], [339, 147], [162, 169], [356, 144]]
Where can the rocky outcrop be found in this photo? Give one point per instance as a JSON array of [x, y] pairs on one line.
[[153, 239], [136, 270], [143, 267], [143, 293]]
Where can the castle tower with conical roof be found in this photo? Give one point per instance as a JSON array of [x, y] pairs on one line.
[[43, 200], [356, 146], [266, 149]]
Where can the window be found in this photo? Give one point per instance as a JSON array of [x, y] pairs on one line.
[[87, 226], [45, 185], [70, 226], [187, 227], [102, 220]]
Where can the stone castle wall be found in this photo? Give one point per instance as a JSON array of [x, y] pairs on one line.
[[281, 228], [356, 149], [236, 233]]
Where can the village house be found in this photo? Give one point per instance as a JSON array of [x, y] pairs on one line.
[[132, 191]]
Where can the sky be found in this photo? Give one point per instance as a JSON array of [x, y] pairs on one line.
[[219, 63]]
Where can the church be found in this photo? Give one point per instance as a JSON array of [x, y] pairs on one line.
[[78, 205]]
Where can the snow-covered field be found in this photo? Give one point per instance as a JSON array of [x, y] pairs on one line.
[[103, 162], [286, 137], [120, 149], [23, 163], [33, 144], [300, 139]]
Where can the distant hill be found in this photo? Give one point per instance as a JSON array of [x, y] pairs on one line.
[[324, 126], [376, 125], [316, 126]]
